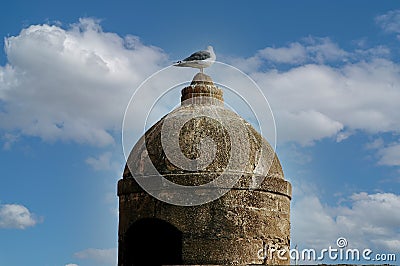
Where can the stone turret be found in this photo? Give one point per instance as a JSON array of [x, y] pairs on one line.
[[247, 213]]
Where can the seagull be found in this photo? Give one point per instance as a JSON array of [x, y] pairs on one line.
[[200, 59]]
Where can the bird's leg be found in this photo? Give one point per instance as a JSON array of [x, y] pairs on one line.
[[201, 70]]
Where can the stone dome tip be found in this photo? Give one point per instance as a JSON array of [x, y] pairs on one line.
[[202, 90], [201, 78]]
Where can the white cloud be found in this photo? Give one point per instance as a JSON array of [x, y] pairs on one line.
[[390, 155], [75, 84], [379, 51], [318, 100], [247, 65], [322, 50], [71, 264], [390, 21], [72, 84], [343, 135], [356, 96], [367, 221], [16, 216], [295, 53], [103, 256], [103, 162], [314, 126], [310, 50]]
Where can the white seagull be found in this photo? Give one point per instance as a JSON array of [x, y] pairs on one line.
[[200, 59]]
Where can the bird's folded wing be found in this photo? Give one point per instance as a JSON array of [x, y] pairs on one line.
[[202, 55]]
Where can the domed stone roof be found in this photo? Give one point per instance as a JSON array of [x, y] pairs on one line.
[[211, 138], [172, 195]]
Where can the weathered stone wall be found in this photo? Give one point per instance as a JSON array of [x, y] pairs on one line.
[[230, 230]]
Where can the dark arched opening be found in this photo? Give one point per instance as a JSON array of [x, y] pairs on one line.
[[152, 242]]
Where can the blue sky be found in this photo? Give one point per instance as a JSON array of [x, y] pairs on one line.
[[330, 71]]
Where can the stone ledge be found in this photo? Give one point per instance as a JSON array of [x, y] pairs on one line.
[[270, 184]]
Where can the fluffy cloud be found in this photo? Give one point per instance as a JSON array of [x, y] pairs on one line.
[[75, 84], [388, 154], [102, 256], [355, 96], [294, 53], [312, 49], [315, 126], [390, 21], [365, 220], [326, 91], [71, 264], [16, 216], [103, 162], [71, 84], [308, 50]]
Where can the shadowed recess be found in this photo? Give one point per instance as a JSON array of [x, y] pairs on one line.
[[153, 242]]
